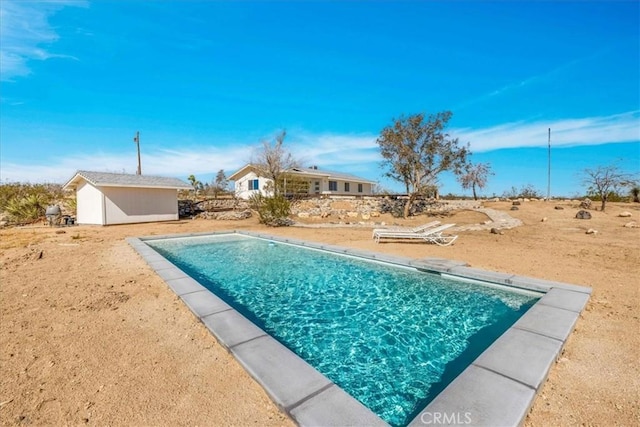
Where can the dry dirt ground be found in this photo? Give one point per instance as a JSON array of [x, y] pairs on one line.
[[90, 335]]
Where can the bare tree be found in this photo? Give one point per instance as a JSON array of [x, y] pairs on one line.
[[272, 161], [635, 193], [220, 184], [475, 175], [415, 151], [606, 180]]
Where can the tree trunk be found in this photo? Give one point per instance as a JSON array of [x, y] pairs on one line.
[[475, 197], [407, 206], [604, 201]]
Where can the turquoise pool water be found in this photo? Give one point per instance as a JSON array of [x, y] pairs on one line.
[[392, 337]]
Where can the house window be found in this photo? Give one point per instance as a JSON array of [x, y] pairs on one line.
[[359, 188], [317, 186], [333, 185], [253, 184], [346, 187]]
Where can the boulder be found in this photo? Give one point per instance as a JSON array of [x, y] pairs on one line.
[[631, 224], [559, 208], [496, 231], [585, 204], [514, 208], [592, 231], [583, 215], [625, 214]]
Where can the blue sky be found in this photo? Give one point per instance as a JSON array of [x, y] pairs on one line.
[[205, 82]]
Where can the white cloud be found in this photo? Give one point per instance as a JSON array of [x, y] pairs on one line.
[[175, 163], [24, 29], [334, 149], [355, 153], [623, 127]]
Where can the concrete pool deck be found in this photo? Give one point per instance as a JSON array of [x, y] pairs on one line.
[[498, 388]]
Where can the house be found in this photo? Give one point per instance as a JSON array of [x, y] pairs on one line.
[[302, 181], [116, 198]]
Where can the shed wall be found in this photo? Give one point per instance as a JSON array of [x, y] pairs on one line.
[[90, 208], [130, 205]]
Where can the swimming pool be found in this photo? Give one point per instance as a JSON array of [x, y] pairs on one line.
[[393, 337]]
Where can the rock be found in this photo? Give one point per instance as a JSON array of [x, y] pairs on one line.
[[496, 231], [514, 208], [585, 204], [583, 215], [625, 214], [303, 215], [231, 215], [592, 231], [631, 224], [366, 216], [516, 203], [352, 214], [60, 232], [559, 208], [544, 219]]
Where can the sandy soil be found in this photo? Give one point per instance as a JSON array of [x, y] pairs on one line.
[[90, 335]]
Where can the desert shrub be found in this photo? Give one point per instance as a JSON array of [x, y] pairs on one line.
[[273, 211], [28, 202], [635, 193], [28, 208], [526, 192], [612, 196], [71, 204]]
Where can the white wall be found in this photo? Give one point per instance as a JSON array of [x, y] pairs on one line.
[[353, 188], [90, 208], [242, 186], [125, 205], [242, 191]]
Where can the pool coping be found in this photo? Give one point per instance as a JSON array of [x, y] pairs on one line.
[[498, 388]]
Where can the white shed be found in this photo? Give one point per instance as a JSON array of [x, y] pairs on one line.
[[114, 198]]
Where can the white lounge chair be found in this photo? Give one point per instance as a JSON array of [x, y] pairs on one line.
[[431, 235], [416, 229]]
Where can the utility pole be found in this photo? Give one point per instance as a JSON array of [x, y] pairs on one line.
[[136, 139], [549, 168]]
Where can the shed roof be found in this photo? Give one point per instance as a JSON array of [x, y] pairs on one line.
[[109, 179]]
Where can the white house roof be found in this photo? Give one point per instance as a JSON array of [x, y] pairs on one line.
[[307, 172], [108, 179]]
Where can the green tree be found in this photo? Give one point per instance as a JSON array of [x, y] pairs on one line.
[[416, 150], [605, 181], [475, 175], [197, 185]]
